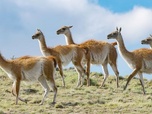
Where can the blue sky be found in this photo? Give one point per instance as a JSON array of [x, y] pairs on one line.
[[124, 5], [91, 19]]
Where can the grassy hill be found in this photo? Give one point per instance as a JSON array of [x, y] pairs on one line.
[[84, 100]]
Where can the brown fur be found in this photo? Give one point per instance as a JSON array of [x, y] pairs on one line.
[[64, 54], [96, 51], [139, 60], [147, 41], [20, 69]]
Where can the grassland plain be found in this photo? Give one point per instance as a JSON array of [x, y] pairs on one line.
[[84, 100]]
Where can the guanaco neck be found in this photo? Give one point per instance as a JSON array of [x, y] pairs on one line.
[[68, 38], [42, 43], [4, 64], [122, 47], [151, 45]]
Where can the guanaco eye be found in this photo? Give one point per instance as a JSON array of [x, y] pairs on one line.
[[37, 35], [114, 33], [63, 28], [149, 39]]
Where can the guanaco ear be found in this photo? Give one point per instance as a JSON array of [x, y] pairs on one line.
[[120, 29], [70, 26], [150, 35], [117, 28], [38, 30]]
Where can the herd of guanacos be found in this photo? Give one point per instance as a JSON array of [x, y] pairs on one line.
[[43, 68]]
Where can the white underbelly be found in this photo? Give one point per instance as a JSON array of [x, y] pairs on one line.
[[65, 60], [147, 67], [99, 58], [32, 74]]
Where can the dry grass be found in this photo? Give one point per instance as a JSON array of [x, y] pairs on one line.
[[84, 100]]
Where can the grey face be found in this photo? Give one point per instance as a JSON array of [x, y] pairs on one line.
[[37, 34], [114, 34], [63, 30], [147, 40]]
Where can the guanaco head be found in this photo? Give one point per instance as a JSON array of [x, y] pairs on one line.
[[115, 34], [147, 40], [64, 30], [37, 35]]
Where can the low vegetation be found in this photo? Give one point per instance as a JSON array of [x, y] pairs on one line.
[[84, 100]]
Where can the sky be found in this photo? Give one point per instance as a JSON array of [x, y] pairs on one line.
[[91, 19]]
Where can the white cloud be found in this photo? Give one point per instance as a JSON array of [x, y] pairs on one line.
[[136, 23], [89, 20]]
